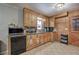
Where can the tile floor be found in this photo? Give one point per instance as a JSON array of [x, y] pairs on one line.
[[54, 48]]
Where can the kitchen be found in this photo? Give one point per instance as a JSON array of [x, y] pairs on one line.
[[31, 26]]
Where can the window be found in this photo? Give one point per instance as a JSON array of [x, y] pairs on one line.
[[40, 25], [75, 24]]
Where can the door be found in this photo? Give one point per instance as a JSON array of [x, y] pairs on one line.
[[62, 26], [74, 31]]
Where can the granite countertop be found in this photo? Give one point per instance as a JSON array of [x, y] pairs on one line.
[[36, 33]]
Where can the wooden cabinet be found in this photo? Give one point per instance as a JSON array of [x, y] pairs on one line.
[[51, 37], [52, 22], [27, 42], [35, 40], [27, 19], [30, 18], [32, 41], [46, 22], [45, 37], [55, 36], [33, 21], [40, 36]]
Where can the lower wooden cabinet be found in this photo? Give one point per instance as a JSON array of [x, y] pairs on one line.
[[40, 38], [51, 37], [46, 37], [55, 36], [27, 40], [37, 39], [32, 41]]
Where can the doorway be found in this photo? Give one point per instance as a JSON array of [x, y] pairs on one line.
[[62, 25]]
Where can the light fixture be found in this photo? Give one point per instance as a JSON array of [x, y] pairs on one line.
[[59, 5]]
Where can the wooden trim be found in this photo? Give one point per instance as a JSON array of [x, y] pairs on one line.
[[62, 15], [9, 45], [23, 17]]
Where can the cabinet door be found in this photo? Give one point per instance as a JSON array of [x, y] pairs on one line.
[[37, 39], [40, 39], [33, 20], [48, 37], [46, 22], [28, 42], [52, 22], [45, 37], [34, 38], [32, 42], [51, 37], [27, 19]]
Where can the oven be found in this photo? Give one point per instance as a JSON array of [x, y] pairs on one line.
[[18, 44], [17, 41]]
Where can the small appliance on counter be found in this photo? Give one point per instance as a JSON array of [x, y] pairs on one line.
[[17, 40], [48, 29], [51, 29], [30, 29]]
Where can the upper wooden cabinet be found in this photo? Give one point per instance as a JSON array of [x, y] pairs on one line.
[[46, 22], [27, 18], [30, 18], [33, 20], [52, 24]]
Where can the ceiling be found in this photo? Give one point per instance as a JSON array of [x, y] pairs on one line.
[[48, 9]]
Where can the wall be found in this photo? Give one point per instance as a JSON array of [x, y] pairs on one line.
[[73, 37], [8, 14]]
